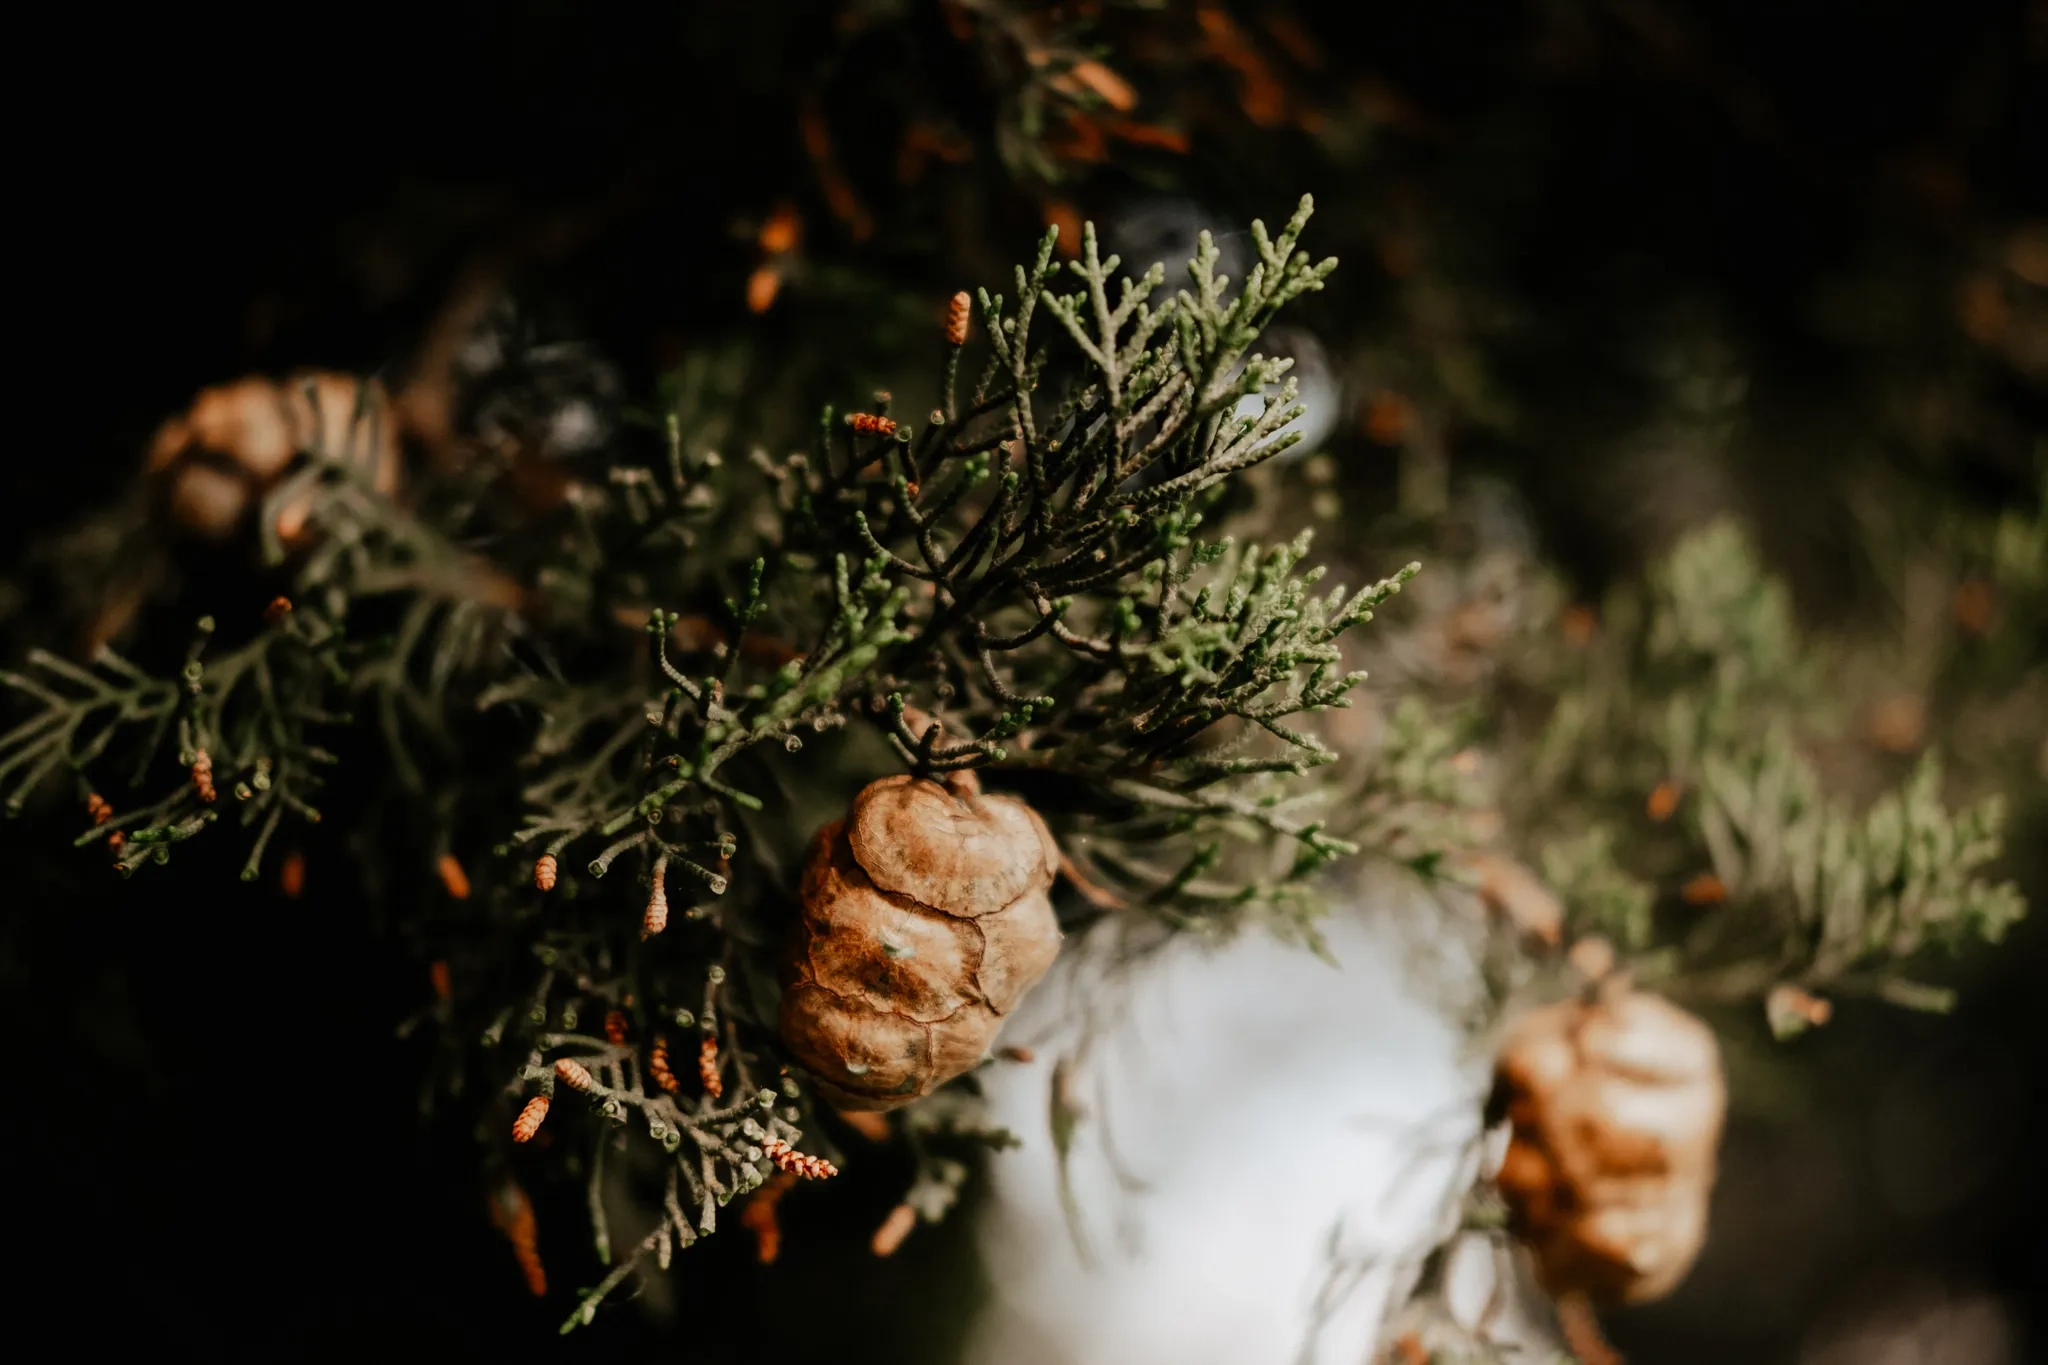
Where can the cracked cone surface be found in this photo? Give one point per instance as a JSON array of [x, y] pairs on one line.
[[1617, 1107], [926, 917]]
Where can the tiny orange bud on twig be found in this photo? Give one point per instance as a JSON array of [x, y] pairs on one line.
[[758, 1216], [1899, 723], [1791, 1010], [117, 841], [868, 423], [1388, 418], [1705, 889], [279, 608], [512, 1211], [96, 806], [1578, 624], [1064, 216], [658, 1067], [897, 1226], [1975, 606], [788, 1158], [202, 776], [779, 234], [656, 917], [614, 1027], [573, 1074], [958, 313], [1113, 89], [707, 1068], [437, 975], [291, 877], [762, 287], [838, 190], [544, 872], [453, 877], [1150, 135], [530, 1119], [1663, 802], [291, 522], [1259, 92]]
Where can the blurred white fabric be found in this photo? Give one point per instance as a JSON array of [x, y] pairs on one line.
[[1317, 390], [1267, 1139]]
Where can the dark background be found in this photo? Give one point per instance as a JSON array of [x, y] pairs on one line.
[[213, 1142]]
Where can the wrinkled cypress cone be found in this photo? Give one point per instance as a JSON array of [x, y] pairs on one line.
[[1617, 1105], [926, 916], [238, 439]]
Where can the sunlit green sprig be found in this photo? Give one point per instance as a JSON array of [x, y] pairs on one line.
[[1691, 728]]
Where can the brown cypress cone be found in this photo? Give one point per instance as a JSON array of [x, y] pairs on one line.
[[237, 440], [926, 916], [1617, 1104]]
